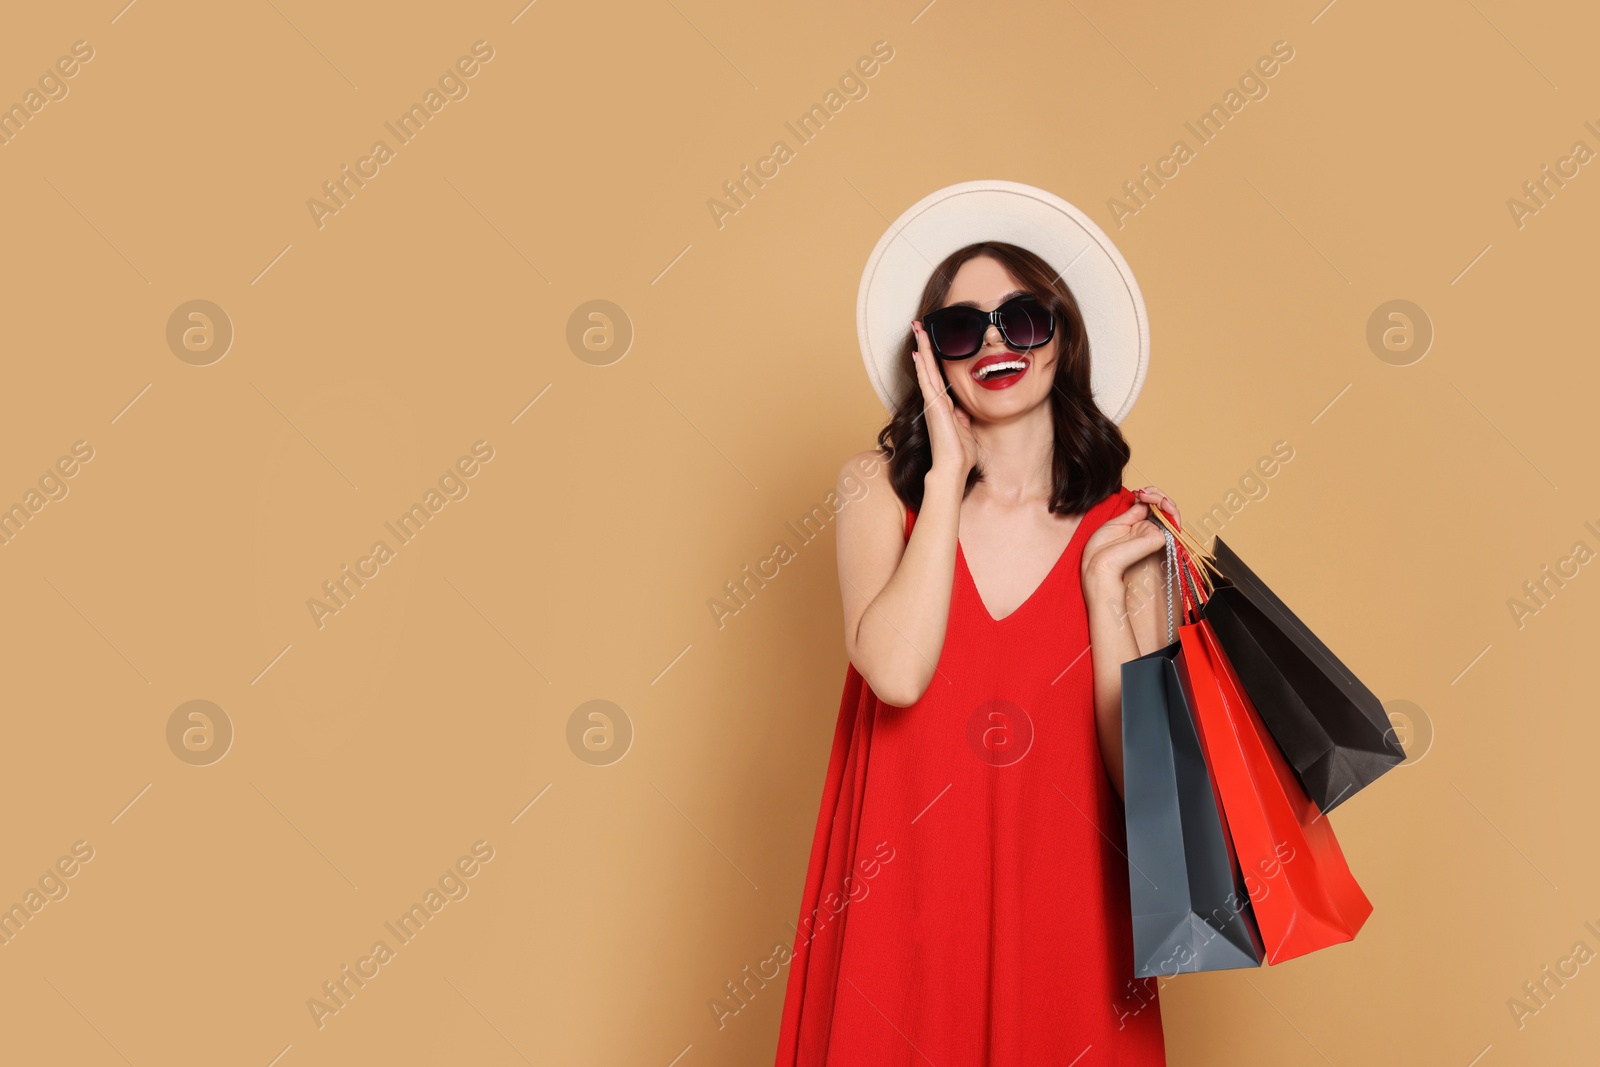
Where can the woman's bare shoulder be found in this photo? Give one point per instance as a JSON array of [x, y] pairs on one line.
[[864, 482]]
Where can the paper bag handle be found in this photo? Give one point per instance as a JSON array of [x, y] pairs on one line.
[[1189, 550]]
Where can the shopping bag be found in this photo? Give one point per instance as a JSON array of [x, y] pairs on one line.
[[1330, 727], [1302, 894], [1190, 909]]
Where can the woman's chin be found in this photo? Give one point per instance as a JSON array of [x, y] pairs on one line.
[[998, 405]]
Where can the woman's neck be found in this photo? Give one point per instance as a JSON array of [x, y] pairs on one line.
[[1016, 457]]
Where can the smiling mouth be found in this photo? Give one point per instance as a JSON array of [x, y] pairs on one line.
[[999, 372]]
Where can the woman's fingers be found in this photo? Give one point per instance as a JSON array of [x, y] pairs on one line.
[[949, 427], [1138, 541], [922, 379], [923, 344], [1133, 526], [926, 372], [1138, 511], [936, 400], [1153, 495]]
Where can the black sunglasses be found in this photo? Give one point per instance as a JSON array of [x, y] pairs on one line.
[[957, 332]]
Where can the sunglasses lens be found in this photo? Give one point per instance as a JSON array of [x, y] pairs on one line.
[[956, 332], [1026, 323]]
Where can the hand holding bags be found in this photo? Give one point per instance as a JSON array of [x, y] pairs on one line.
[[1190, 911], [1301, 891]]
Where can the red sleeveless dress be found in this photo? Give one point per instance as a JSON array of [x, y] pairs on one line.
[[966, 901]]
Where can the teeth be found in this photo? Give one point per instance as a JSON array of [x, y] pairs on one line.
[[1010, 364]]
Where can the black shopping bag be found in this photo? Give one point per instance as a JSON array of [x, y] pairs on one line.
[[1190, 909], [1331, 728]]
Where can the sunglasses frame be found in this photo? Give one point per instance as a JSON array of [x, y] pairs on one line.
[[989, 318]]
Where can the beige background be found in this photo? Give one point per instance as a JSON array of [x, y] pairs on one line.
[[432, 710]]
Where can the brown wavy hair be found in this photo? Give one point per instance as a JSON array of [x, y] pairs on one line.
[[1090, 451]]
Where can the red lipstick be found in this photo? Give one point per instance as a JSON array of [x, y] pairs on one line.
[[1000, 371]]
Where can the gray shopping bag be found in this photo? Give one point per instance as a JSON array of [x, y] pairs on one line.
[[1190, 909]]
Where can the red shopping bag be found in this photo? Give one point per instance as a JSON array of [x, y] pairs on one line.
[[1300, 888]]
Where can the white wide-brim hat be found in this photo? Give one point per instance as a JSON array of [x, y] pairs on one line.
[[1043, 223]]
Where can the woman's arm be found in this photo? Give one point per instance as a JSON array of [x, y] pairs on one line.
[[896, 592], [1123, 588]]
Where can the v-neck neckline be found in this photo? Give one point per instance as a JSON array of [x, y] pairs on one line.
[[961, 554]]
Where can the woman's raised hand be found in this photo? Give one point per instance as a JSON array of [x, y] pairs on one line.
[[955, 450], [1126, 539]]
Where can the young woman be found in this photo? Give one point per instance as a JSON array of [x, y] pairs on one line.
[[967, 897]]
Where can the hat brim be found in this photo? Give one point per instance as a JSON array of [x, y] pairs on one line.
[[1043, 223]]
